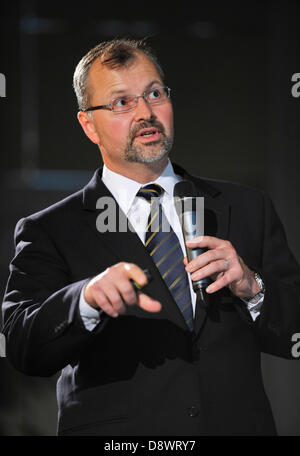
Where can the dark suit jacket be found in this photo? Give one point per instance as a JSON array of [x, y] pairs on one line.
[[144, 373]]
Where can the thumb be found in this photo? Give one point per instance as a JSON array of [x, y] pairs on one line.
[[147, 303]]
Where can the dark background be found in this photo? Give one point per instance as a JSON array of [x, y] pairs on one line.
[[229, 65]]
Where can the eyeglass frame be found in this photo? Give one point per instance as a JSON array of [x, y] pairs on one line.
[[109, 106]]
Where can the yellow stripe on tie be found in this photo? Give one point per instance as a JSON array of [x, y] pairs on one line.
[[167, 254], [186, 306], [170, 269], [151, 237], [161, 242], [152, 220], [149, 190], [181, 293], [176, 281]]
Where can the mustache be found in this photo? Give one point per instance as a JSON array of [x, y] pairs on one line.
[[146, 124]]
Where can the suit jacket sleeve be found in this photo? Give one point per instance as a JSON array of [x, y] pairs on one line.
[[280, 313], [41, 321]]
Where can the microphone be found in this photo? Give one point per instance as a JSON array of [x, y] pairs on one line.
[[190, 210]]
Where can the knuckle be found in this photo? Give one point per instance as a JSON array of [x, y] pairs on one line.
[[228, 244], [220, 265], [107, 271], [100, 278], [119, 266], [106, 307], [213, 254], [100, 283], [126, 288], [91, 286], [96, 290], [101, 301], [129, 296], [115, 299], [127, 266]]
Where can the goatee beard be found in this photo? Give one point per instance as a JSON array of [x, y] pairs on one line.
[[139, 153]]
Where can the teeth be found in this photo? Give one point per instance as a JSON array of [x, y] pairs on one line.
[[149, 133]]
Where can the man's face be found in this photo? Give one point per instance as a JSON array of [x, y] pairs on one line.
[[142, 135]]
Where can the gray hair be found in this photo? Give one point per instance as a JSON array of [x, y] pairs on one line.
[[116, 53]]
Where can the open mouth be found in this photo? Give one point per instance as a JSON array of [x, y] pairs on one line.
[[148, 134]]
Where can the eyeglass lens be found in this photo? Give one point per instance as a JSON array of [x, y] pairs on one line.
[[152, 96]]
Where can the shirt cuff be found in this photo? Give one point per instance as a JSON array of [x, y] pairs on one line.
[[254, 308], [90, 317]]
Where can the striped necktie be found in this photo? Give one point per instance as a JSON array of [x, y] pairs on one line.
[[165, 250]]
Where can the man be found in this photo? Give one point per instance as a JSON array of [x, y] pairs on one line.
[[137, 363]]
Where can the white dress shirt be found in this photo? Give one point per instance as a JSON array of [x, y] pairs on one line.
[[137, 211]]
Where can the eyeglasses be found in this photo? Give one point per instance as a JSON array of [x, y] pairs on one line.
[[153, 96]]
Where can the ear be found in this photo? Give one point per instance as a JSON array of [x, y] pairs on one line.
[[88, 126]]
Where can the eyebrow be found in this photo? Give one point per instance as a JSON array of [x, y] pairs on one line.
[[122, 91]]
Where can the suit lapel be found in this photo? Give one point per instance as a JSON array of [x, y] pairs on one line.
[[125, 245], [216, 210]]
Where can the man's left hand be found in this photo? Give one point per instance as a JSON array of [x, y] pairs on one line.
[[222, 263]]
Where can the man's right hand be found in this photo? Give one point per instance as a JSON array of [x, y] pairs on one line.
[[112, 290]]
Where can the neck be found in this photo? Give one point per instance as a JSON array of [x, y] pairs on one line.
[[139, 172]]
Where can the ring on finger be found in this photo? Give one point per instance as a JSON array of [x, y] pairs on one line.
[[227, 263]]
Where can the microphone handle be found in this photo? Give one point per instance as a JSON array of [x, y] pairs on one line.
[[202, 283], [199, 286], [191, 218]]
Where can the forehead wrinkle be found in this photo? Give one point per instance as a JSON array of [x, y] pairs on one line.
[[100, 70], [128, 92]]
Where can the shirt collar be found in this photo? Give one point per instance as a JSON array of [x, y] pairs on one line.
[[124, 189], [168, 179]]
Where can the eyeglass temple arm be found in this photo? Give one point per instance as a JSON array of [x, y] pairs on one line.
[[94, 108]]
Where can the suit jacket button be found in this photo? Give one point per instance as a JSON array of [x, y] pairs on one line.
[[196, 353], [61, 326], [273, 329], [193, 411]]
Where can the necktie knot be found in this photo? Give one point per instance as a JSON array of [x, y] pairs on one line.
[[150, 191]]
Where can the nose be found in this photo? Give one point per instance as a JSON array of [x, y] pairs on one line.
[[143, 110]]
